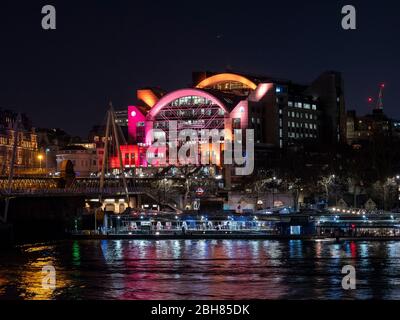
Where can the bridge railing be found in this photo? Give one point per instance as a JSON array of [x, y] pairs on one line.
[[87, 190], [81, 186]]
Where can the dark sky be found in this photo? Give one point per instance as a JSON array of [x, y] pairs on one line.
[[105, 50]]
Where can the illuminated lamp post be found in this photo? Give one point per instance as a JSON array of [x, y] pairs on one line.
[[46, 159], [273, 192], [40, 158]]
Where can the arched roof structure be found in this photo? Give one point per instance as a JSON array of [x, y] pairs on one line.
[[226, 77], [171, 97]]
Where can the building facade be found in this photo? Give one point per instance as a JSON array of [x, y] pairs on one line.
[[26, 147], [281, 113], [362, 129], [84, 159]]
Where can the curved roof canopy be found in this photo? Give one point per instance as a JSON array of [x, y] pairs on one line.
[[225, 77], [171, 97]]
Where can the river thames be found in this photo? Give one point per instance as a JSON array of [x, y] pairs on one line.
[[201, 269]]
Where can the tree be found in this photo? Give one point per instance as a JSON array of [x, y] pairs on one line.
[[326, 182], [386, 192]]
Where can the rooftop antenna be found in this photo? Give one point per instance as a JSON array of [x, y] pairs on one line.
[[379, 104]]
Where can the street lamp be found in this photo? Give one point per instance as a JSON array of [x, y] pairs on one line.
[[46, 158], [40, 158], [398, 189]]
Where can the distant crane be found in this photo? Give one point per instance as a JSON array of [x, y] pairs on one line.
[[379, 105], [379, 101]]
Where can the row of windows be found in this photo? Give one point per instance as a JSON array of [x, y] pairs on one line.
[[301, 115], [190, 100], [230, 85], [217, 123], [27, 144], [302, 105], [255, 120], [296, 135], [192, 112], [302, 125], [302, 130]]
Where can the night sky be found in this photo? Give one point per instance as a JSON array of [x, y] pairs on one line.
[[105, 50]]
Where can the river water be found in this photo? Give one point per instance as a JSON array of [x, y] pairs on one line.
[[201, 269]]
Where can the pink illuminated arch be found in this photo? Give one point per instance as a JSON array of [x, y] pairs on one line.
[[167, 99]]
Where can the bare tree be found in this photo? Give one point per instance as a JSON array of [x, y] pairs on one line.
[[326, 182]]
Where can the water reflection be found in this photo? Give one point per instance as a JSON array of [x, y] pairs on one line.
[[201, 269]]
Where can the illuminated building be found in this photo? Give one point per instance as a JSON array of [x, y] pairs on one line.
[[84, 160], [281, 113], [50, 141], [363, 129], [121, 118], [27, 147], [191, 108]]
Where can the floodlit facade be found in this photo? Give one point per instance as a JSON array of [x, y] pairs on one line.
[[27, 146], [281, 113], [84, 159], [192, 108]]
